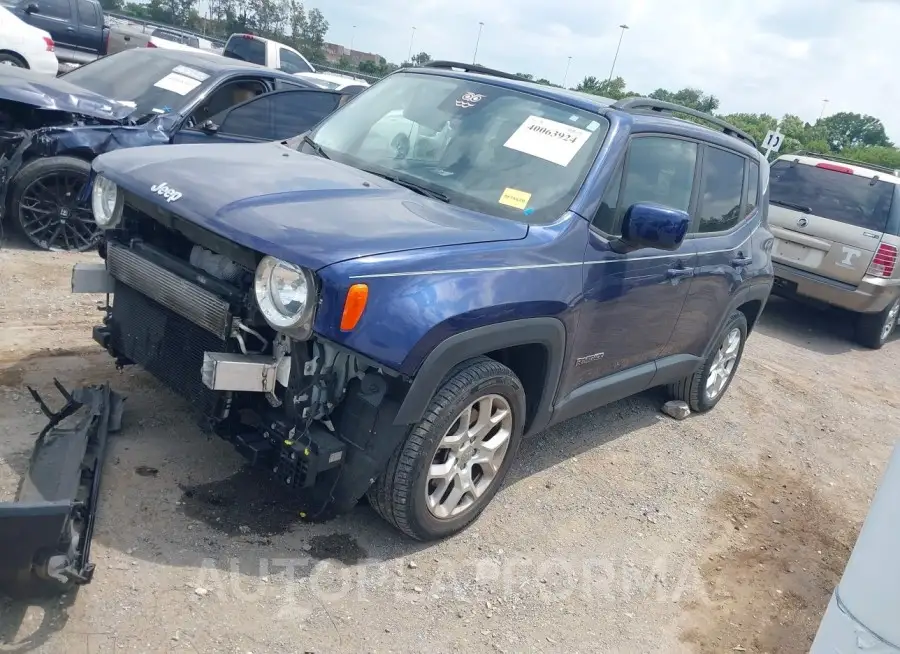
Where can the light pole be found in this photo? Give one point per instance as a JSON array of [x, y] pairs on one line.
[[566, 76], [411, 38], [624, 27], [477, 41], [824, 104], [352, 36]]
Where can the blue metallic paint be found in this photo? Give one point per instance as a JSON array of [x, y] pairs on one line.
[[437, 271], [654, 226]]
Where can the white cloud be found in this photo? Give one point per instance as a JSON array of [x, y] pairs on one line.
[[777, 56]]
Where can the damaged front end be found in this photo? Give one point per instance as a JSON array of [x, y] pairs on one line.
[[50, 118], [45, 535]]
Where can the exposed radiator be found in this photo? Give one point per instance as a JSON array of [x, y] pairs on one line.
[[165, 344], [168, 289]]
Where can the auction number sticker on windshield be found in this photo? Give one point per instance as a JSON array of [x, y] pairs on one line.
[[548, 140], [178, 83], [513, 197]]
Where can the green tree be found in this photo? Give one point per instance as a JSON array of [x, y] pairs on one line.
[[850, 130], [112, 5], [613, 89], [688, 97], [421, 59], [312, 35]]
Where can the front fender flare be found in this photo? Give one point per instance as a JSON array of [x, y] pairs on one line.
[[546, 331]]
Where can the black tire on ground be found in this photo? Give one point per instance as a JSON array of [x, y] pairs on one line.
[[870, 327], [692, 389], [54, 174], [10, 59], [399, 494]]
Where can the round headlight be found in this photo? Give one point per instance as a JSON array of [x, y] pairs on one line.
[[106, 202], [285, 293]]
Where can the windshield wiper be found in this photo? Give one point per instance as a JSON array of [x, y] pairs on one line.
[[315, 146], [791, 205], [413, 186]]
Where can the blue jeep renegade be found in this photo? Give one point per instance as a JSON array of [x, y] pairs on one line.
[[387, 304]]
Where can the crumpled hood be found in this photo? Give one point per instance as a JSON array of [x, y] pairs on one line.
[[54, 93], [302, 208]]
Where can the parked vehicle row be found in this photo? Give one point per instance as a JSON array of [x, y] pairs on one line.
[[25, 46]]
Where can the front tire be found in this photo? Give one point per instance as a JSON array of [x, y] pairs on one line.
[[44, 201], [454, 461], [703, 390], [874, 329]]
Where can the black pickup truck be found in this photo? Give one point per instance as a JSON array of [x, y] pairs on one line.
[[78, 27]]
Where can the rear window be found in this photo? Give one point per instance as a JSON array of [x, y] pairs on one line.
[[849, 199], [246, 48]]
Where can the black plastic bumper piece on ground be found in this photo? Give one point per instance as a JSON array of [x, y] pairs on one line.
[[45, 535]]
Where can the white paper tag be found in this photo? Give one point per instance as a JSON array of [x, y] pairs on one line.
[[178, 83], [193, 73], [548, 139]]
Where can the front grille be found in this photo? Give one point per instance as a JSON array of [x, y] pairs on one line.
[[188, 300], [164, 343]]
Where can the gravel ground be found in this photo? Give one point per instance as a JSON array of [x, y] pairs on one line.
[[618, 531]]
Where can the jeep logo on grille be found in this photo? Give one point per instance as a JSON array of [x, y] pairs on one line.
[[166, 191]]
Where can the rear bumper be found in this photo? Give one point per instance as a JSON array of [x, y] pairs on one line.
[[870, 296]]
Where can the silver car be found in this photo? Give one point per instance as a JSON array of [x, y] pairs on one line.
[[837, 233]]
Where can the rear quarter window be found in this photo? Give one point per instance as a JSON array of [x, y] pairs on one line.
[[843, 197]]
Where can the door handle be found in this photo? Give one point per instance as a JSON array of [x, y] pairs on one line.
[[740, 261], [679, 272], [70, 29]]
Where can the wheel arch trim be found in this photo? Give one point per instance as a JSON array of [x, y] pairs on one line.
[[546, 331]]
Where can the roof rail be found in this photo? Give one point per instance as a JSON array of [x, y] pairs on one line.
[[471, 68], [660, 106], [852, 162]]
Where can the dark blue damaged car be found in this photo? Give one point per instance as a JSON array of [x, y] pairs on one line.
[[52, 127], [387, 304]]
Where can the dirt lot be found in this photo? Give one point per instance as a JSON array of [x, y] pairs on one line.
[[619, 531]]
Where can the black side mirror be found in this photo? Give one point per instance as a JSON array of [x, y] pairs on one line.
[[649, 225], [209, 126], [32, 8]]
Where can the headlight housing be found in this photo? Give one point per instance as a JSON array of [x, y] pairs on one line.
[[106, 202], [286, 296]]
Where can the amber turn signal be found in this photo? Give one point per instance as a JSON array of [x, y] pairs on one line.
[[354, 306]]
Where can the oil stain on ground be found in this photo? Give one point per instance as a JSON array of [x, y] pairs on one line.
[[339, 547], [247, 502], [767, 589]]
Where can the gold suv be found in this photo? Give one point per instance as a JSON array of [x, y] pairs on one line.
[[837, 232]]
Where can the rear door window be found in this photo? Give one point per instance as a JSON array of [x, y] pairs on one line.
[[253, 119], [721, 190], [55, 8], [850, 199], [246, 48], [87, 14], [298, 111], [291, 62]]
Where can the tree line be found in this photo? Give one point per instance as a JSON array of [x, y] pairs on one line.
[[855, 136]]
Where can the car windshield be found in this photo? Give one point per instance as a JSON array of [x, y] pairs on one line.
[[153, 84], [850, 199], [483, 147]]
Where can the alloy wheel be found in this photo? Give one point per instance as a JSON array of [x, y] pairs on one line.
[[891, 321], [723, 364], [51, 215], [469, 456]]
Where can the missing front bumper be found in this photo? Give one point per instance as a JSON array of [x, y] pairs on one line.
[[45, 535]]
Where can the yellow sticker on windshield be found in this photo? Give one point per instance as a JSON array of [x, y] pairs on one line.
[[515, 198]]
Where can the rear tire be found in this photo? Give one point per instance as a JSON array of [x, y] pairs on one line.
[[724, 359], [874, 329], [412, 495], [10, 59]]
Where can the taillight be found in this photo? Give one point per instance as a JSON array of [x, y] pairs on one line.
[[49, 43], [151, 44], [883, 262], [836, 168]]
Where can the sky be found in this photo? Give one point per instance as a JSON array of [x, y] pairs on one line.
[[774, 56]]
